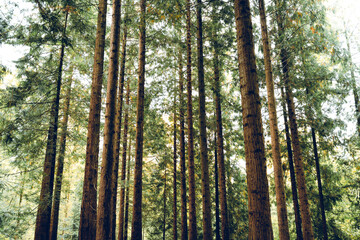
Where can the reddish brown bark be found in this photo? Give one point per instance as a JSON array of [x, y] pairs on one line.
[[60, 167], [103, 226], [217, 211], [174, 173], [126, 218], [184, 226], [274, 131], [42, 227], [191, 165], [136, 231], [87, 228], [258, 191]]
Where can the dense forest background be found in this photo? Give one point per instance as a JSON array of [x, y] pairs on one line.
[[136, 119]]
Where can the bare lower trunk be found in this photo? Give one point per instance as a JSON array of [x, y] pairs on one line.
[[174, 172], [87, 228], [184, 226], [191, 164], [275, 143], [258, 190], [206, 205], [126, 217], [42, 227], [217, 211], [60, 168], [299, 235], [136, 231], [164, 205]]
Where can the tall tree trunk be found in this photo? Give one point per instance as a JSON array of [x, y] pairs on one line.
[[191, 165], [274, 131], [103, 226], [174, 172], [258, 190], [136, 231], [220, 143], [123, 163], [119, 110], [42, 227], [184, 226], [217, 211], [126, 218], [353, 83], [60, 167], [299, 235], [206, 205], [87, 228], [164, 206], [299, 166]]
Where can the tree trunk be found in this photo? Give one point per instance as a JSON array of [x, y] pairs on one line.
[[274, 131], [103, 226], [87, 228], [119, 110], [42, 227], [164, 206], [206, 205], [299, 166], [220, 143], [60, 167], [217, 212], [174, 172], [258, 190], [191, 165], [353, 84], [123, 163], [299, 235], [136, 231], [184, 226], [126, 218]]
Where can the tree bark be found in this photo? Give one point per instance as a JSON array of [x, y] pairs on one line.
[[126, 218], [299, 166], [184, 226], [217, 211], [299, 235], [60, 167], [87, 228], [103, 226], [164, 206], [123, 163], [174, 172], [191, 165], [274, 131], [136, 232], [258, 190], [206, 205], [220, 144], [42, 227]]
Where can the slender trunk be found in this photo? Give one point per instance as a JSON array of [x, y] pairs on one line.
[[119, 110], [318, 175], [103, 226], [299, 166], [191, 165], [206, 205], [60, 168], [258, 190], [299, 235], [220, 144], [126, 218], [217, 211], [123, 163], [136, 231], [87, 228], [184, 226], [274, 131], [174, 173], [42, 227], [353, 84], [164, 206]]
